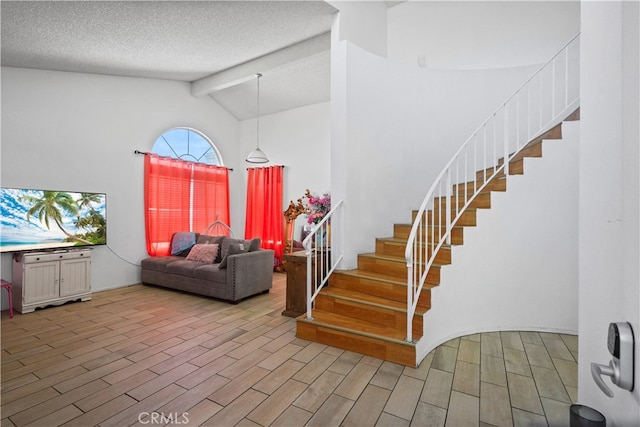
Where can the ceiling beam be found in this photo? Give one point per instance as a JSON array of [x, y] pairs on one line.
[[247, 71]]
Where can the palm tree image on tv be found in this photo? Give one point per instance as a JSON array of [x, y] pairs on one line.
[[93, 222], [54, 206]]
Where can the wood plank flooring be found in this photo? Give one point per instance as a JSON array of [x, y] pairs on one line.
[[143, 355]]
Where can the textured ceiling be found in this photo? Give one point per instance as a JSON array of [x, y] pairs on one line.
[[176, 40]]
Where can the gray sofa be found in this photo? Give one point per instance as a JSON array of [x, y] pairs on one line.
[[241, 269]]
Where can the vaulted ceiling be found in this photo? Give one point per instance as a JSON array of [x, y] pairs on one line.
[[215, 45]]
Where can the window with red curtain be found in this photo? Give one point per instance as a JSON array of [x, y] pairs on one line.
[[264, 217], [181, 196], [210, 196]]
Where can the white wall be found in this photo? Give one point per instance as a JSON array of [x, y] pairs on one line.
[[300, 140], [363, 23], [395, 125], [399, 123], [394, 129], [518, 268], [480, 34], [77, 132], [609, 235]]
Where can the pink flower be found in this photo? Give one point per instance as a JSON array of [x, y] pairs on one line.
[[316, 207]]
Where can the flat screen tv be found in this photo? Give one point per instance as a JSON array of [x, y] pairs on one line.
[[44, 219]]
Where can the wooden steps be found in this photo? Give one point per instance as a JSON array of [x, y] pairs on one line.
[[438, 216], [378, 285], [481, 201], [499, 183], [352, 334], [393, 266], [573, 116], [392, 246], [364, 310], [402, 231], [380, 311]]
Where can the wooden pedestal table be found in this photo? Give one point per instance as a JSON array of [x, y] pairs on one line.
[[296, 266]]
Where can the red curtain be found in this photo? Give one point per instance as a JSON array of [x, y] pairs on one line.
[[264, 216], [181, 196], [210, 196]]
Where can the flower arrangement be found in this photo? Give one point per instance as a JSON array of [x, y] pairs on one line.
[[315, 207]]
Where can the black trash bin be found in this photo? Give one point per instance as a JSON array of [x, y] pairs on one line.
[[584, 416]]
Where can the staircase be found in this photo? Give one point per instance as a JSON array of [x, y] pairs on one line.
[[365, 310]]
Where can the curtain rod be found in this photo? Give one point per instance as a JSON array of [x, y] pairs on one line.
[[144, 152]]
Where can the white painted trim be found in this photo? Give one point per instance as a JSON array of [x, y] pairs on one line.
[[247, 71]]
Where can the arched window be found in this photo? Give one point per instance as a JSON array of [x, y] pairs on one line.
[[186, 187], [187, 144]]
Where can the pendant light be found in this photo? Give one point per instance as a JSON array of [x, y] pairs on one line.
[[257, 155]]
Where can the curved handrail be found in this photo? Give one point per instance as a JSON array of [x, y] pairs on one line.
[[505, 133]]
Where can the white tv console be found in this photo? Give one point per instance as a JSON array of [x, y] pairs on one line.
[[51, 278]]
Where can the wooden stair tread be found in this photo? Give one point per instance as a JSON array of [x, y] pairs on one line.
[[401, 242], [553, 133], [444, 210], [499, 181], [379, 256], [479, 201], [573, 116], [356, 326], [393, 240], [390, 258], [365, 299], [411, 225], [443, 213], [498, 176], [394, 280], [370, 275]]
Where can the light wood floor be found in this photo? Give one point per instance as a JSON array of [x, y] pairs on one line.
[[143, 355]]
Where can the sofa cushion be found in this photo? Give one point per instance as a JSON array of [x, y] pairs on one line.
[[210, 272], [233, 249], [254, 244], [182, 268], [204, 238], [182, 242], [203, 253], [159, 263]]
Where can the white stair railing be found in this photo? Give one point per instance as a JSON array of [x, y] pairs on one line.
[[324, 250], [549, 96]]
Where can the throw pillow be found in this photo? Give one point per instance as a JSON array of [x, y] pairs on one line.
[[203, 253], [251, 245], [182, 242], [226, 243], [234, 248], [254, 244], [205, 238]]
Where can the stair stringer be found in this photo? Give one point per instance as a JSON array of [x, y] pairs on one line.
[[518, 268]]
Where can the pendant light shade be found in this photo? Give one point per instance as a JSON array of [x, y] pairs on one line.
[[257, 155]]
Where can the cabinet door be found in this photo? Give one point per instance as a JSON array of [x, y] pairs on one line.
[[74, 277], [40, 282]]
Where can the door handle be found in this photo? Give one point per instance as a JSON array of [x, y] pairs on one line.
[[597, 370], [620, 343]]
